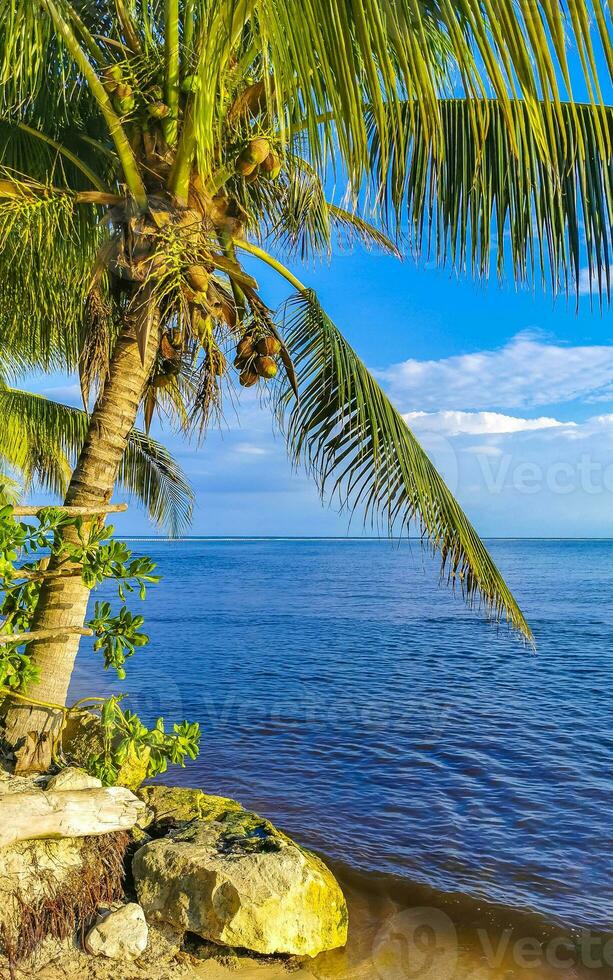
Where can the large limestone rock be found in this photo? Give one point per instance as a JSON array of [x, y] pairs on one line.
[[119, 934], [237, 881]]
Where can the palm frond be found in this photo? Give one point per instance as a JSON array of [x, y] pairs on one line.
[[66, 163], [10, 489], [479, 202], [354, 227], [323, 61], [295, 215], [149, 472], [348, 435], [40, 440], [299, 214], [47, 253]]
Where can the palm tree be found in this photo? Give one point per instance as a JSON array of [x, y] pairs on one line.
[[40, 441], [148, 144]]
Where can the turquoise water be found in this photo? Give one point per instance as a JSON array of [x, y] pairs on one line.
[[345, 695]]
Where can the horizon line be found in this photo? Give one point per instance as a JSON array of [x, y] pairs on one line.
[[332, 537]]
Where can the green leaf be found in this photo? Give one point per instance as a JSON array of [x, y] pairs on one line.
[[356, 444], [41, 439]]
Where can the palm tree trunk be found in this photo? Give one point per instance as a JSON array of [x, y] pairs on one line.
[[29, 732]]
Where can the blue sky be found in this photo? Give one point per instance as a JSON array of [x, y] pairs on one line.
[[511, 393]]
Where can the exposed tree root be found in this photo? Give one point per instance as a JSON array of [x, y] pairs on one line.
[[71, 908]]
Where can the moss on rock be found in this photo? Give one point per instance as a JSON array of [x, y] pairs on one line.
[[172, 806]]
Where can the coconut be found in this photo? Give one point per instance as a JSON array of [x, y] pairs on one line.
[[245, 346], [109, 81], [126, 105], [258, 150], [112, 77], [161, 380], [158, 110], [268, 345], [198, 278], [244, 167], [248, 378], [266, 367], [271, 166], [124, 98], [191, 83]]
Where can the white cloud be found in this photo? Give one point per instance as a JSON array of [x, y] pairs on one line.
[[588, 283], [525, 373], [248, 449], [452, 423], [485, 449]]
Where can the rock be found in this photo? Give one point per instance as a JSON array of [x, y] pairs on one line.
[[20, 784], [82, 738], [73, 778], [237, 881], [119, 934], [171, 806]]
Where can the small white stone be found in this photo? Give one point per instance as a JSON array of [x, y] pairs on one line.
[[120, 934], [73, 778]]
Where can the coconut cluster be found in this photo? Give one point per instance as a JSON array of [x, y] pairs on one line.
[[257, 159], [121, 91], [256, 358]]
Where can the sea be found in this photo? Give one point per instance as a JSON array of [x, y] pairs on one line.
[[349, 696]]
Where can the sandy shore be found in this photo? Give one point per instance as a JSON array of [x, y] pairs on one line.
[[397, 932]]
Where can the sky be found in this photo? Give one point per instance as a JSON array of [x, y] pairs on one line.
[[510, 392]]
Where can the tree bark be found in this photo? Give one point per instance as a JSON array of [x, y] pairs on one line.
[[30, 732]]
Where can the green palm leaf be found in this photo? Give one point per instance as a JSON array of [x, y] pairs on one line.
[[40, 439], [479, 202], [47, 256], [356, 445], [324, 60], [149, 472]]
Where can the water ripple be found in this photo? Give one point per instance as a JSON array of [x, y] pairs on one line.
[[364, 709]]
